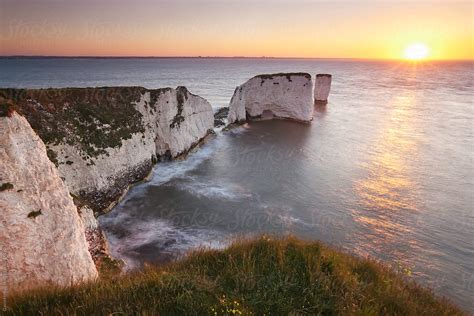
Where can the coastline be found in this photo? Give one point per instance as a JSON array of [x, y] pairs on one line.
[[181, 156]]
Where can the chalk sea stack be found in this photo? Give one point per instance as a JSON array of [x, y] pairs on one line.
[[322, 86], [269, 96], [42, 238]]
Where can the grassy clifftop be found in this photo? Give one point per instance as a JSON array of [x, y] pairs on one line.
[[256, 277]]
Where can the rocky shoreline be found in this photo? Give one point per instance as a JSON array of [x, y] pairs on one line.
[[100, 141]]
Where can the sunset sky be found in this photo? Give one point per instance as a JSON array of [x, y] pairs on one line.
[[281, 28]]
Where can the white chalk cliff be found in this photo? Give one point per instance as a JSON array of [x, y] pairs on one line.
[[184, 119], [41, 235], [286, 95], [104, 139]]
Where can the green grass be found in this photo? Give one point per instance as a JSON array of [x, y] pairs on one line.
[[261, 276]]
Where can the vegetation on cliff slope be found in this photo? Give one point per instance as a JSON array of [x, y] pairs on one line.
[[93, 119], [256, 277]]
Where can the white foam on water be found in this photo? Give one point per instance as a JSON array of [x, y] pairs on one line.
[[126, 235], [213, 190], [127, 232], [289, 220], [284, 214], [165, 171]]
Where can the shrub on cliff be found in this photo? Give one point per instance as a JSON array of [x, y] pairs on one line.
[[262, 276]]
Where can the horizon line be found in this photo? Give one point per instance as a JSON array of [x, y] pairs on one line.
[[224, 57]]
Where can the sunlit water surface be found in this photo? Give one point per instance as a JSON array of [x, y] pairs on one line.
[[385, 170]]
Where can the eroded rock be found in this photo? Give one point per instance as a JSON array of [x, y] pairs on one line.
[[284, 95]]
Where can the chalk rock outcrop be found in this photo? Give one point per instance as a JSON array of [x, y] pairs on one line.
[[285, 95], [104, 139], [322, 86], [41, 235]]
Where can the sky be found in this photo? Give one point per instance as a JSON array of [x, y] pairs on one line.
[[375, 29]]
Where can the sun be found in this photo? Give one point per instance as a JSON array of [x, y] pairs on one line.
[[416, 51]]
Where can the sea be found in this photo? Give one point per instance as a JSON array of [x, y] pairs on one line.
[[385, 170]]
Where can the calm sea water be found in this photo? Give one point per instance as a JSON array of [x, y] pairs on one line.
[[385, 170]]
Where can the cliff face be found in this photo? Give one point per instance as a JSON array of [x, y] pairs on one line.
[[41, 235], [183, 120], [287, 95], [104, 139], [95, 237]]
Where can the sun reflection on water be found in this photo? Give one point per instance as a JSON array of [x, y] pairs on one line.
[[388, 191]]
